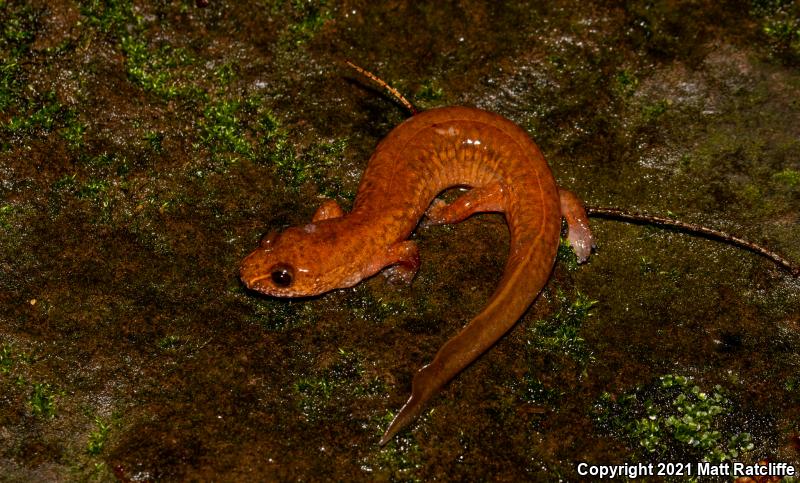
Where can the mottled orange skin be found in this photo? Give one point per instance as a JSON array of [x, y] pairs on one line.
[[428, 153]]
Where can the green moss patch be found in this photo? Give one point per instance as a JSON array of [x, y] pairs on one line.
[[98, 437], [560, 334], [321, 395], [780, 24], [788, 177], [674, 419]]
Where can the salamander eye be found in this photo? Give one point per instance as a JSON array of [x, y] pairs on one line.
[[282, 275]]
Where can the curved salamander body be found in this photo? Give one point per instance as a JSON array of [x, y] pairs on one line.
[[426, 154]]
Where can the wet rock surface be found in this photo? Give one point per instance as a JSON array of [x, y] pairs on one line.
[[146, 146]]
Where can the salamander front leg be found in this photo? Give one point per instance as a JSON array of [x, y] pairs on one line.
[[327, 210], [403, 261], [579, 235], [477, 200]]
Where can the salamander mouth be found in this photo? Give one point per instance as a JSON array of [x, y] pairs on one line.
[[257, 276], [262, 285], [254, 276], [256, 283]]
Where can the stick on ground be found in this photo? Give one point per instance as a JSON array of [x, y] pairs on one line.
[[616, 213], [394, 92]]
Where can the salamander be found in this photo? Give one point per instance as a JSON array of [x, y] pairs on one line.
[[428, 153]]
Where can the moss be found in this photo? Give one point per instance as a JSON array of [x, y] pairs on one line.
[[6, 214], [18, 24], [169, 342], [233, 129], [224, 129], [278, 314], [319, 163], [65, 183], [6, 359], [646, 265], [560, 333], [780, 24], [155, 140], [651, 112], [113, 167], [750, 194], [42, 401], [19, 27], [314, 391], [428, 93], [566, 255], [161, 70], [42, 118], [98, 437], [308, 17], [225, 73], [111, 17], [345, 378], [230, 129], [400, 459], [275, 148], [626, 82], [101, 160], [532, 390], [93, 189], [39, 115], [73, 133], [363, 304], [674, 418], [9, 75], [651, 268], [11, 360], [788, 177]]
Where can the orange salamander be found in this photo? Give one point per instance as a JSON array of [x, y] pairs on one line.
[[428, 153]]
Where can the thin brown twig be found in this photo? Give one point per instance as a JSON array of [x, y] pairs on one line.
[[618, 214], [394, 92]]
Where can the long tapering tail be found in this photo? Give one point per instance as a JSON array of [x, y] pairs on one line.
[[527, 270]]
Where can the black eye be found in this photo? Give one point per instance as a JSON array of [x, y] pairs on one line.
[[282, 275]]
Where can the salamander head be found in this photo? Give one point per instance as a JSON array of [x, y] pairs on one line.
[[300, 261]]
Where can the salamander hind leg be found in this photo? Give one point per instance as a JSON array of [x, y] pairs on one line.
[[477, 200], [579, 235]]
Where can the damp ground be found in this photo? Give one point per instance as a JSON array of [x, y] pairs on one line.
[[146, 146]]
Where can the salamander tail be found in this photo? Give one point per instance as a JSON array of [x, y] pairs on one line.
[[423, 387], [407, 414]]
